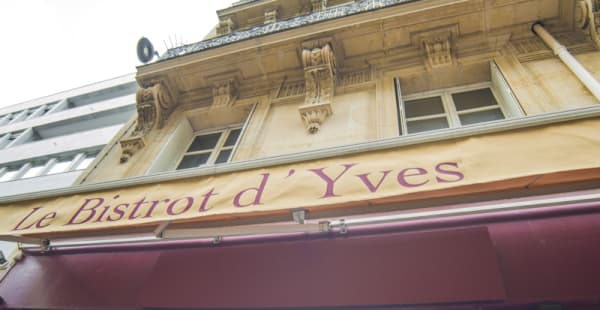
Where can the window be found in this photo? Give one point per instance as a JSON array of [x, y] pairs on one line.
[[9, 174], [457, 106], [34, 170], [47, 166], [86, 161], [210, 148], [61, 165], [449, 108]]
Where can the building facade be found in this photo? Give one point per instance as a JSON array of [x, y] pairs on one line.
[[340, 154], [47, 143]]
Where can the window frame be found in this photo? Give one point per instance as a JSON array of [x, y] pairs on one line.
[[505, 101], [224, 131], [23, 167], [450, 111]]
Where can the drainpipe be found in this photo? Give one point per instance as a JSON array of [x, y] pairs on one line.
[[559, 50]]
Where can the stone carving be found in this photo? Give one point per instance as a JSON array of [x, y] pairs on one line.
[[271, 16], [438, 51], [314, 115], [224, 93], [318, 60], [292, 89], [225, 26], [356, 77], [130, 146], [154, 104], [587, 17], [318, 5], [351, 8]]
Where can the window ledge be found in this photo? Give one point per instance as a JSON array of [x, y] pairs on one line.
[[383, 144]]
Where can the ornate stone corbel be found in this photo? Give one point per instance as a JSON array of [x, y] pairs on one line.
[[318, 5], [437, 45], [224, 93], [154, 103], [271, 16], [438, 51], [587, 17], [319, 64], [226, 26]]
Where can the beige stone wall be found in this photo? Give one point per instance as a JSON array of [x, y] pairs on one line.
[[283, 132], [562, 87]]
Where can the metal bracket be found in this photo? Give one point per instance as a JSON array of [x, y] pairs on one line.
[[343, 227], [158, 232], [45, 246], [299, 216]]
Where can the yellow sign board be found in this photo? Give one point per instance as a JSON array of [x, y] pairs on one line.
[[317, 184]]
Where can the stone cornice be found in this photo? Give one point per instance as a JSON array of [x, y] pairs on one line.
[[315, 17]]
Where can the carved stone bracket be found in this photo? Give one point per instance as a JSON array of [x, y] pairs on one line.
[[226, 26], [271, 16], [314, 115], [437, 45], [318, 5], [130, 146], [224, 93], [154, 103], [438, 51], [319, 64], [587, 17]]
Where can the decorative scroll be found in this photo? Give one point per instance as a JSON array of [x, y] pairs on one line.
[[318, 60], [587, 17], [154, 104]]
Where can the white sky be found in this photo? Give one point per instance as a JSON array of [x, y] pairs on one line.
[[51, 46]]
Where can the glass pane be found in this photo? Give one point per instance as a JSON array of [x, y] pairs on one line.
[[192, 161], [474, 99], [34, 171], [223, 156], [423, 107], [85, 163], [427, 125], [9, 175], [205, 142], [233, 136], [479, 117], [61, 166]]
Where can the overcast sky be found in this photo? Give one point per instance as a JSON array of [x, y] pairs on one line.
[[51, 46]]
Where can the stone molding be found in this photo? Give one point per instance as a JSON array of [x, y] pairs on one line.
[[319, 65], [154, 104], [351, 8], [587, 17]]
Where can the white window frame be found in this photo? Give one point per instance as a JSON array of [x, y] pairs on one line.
[[214, 152], [500, 89], [50, 161]]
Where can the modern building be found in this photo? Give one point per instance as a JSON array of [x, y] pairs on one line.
[[47, 143], [313, 154]]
